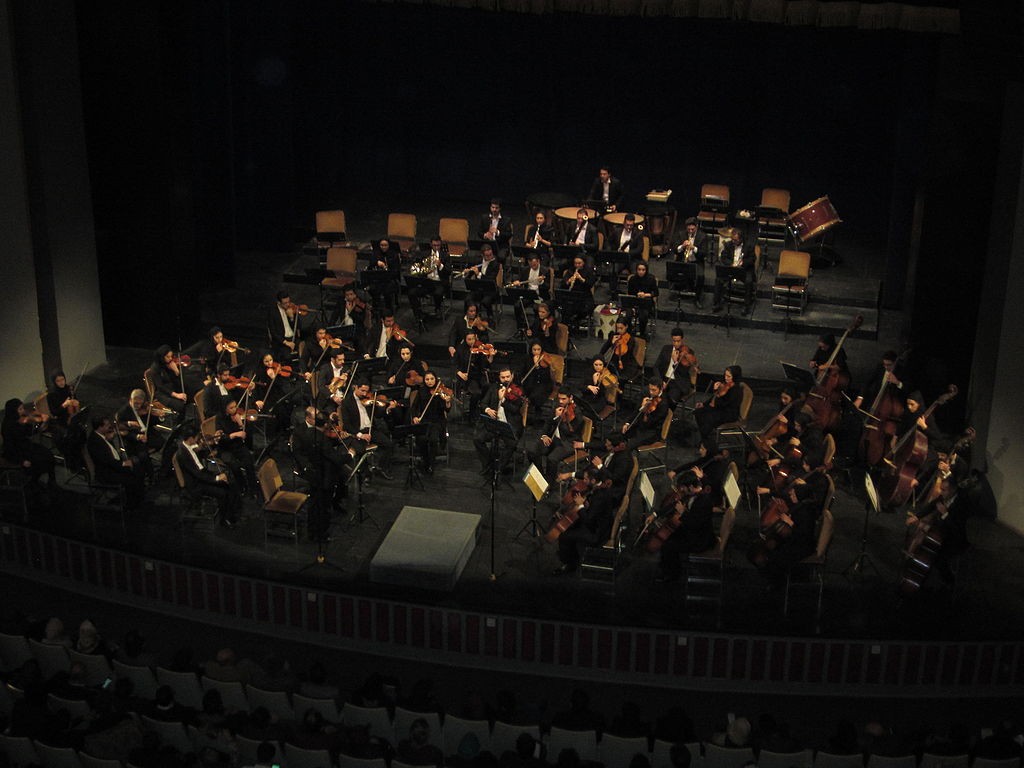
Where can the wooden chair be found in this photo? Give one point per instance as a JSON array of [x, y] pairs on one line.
[[562, 339], [730, 434], [773, 215], [103, 497], [811, 570], [281, 508], [586, 434], [714, 207], [705, 571], [658, 445], [455, 232], [600, 563], [402, 229], [330, 227], [790, 289]]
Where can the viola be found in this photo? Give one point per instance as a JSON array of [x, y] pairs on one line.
[[513, 393], [652, 406], [337, 383]]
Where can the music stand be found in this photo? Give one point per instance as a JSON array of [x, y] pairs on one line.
[[424, 284], [631, 304], [360, 515], [538, 486], [521, 297], [788, 281], [498, 431], [725, 274], [370, 367], [863, 559], [617, 260], [799, 376], [681, 275], [574, 304], [410, 432], [525, 252]]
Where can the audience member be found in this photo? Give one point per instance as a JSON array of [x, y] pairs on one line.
[[315, 686], [417, 749]]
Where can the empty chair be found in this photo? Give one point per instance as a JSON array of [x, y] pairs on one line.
[[97, 668], [76, 708], [185, 685], [52, 658], [57, 757], [402, 229], [88, 761], [802, 759], [455, 232], [232, 693], [326, 707], [661, 754], [828, 760], [900, 761], [617, 751], [275, 702], [247, 750], [727, 757], [504, 735], [143, 679], [19, 750], [14, 651], [455, 729], [297, 757], [584, 742], [330, 226], [376, 719], [171, 734], [404, 718], [929, 760]]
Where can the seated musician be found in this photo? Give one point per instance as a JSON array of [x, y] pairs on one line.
[[721, 408], [890, 372], [580, 279], [713, 471], [537, 378], [353, 315], [284, 324], [779, 553], [533, 277], [399, 367], [386, 260], [495, 227], [622, 347], [471, 369], [66, 422], [646, 426], [612, 455], [332, 379], [559, 437], [691, 511], [174, 387], [545, 329], [204, 480], [627, 238], [599, 390], [737, 254], [364, 416], [385, 338], [695, 249], [216, 393], [20, 423], [944, 514], [435, 265], [320, 348], [142, 436], [114, 466], [470, 322], [540, 236], [606, 190], [503, 402], [322, 459], [274, 390], [429, 404], [584, 234], [677, 367], [595, 505], [643, 285], [486, 270], [235, 445], [215, 350]]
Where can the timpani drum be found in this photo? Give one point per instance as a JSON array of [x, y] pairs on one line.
[[813, 219]]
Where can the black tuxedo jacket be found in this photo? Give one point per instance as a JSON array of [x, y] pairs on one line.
[[702, 244], [513, 408], [725, 257], [275, 326], [504, 228], [590, 236], [634, 247], [615, 191]]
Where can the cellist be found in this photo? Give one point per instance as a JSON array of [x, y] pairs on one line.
[[689, 512], [594, 504]]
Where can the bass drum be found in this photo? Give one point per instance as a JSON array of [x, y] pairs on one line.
[[813, 219]]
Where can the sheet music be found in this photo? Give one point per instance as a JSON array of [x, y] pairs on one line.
[[535, 481], [647, 490], [732, 490]]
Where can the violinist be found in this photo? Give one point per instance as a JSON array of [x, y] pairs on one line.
[[235, 445], [694, 250], [470, 322], [429, 403], [537, 377], [173, 386], [471, 369], [204, 479], [141, 436], [364, 415], [600, 389], [739, 255], [721, 408], [594, 504], [215, 349], [645, 428], [114, 466], [540, 235], [386, 259], [622, 347], [353, 315], [321, 347], [643, 285], [62, 402], [435, 265], [272, 389], [545, 329], [404, 370], [20, 422], [386, 338], [332, 379], [321, 458], [504, 402], [217, 393], [487, 270], [689, 511], [284, 325], [559, 438], [495, 227], [677, 367]]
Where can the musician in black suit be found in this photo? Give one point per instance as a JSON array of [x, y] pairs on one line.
[[435, 265], [386, 260], [471, 369], [584, 233], [606, 189], [540, 235], [429, 404], [695, 533], [113, 464], [202, 480], [695, 249], [675, 365], [354, 316], [627, 238], [284, 326], [503, 402], [736, 253], [332, 379], [470, 322], [559, 437], [596, 510], [321, 459], [646, 426], [495, 227], [486, 270], [216, 394], [173, 387], [365, 417]]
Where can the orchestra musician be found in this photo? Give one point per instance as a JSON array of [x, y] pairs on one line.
[[643, 285], [364, 415], [503, 401], [114, 466], [646, 426], [721, 408], [600, 389], [545, 329], [804, 508], [284, 324], [695, 250], [331, 382], [321, 458], [614, 457], [320, 348], [201, 479], [607, 190], [215, 349], [627, 238], [273, 388], [20, 422], [142, 436], [435, 265], [889, 373], [486, 270], [354, 317], [235, 445], [737, 254], [537, 377], [540, 235], [946, 511], [387, 258], [471, 321], [173, 387], [677, 367], [471, 369], [584, 234], [826, 346], [559, 438], [65, 420], [495, 227], [386, 338], [534, 277], [429, 404], [580, 278], [216, 393], [595, 506], [622, 347], [692, 509]]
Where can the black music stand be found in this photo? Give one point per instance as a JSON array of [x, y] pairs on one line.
[[682, 276], [370, 367], [525, 252], [617, 261], [859, 564], [563, 255], [725, 275], [575, 304], [498, 431], [485, 287], [631, 304], [414, 282], [803, 378], [521, 299], [360, 515], [410, 432]]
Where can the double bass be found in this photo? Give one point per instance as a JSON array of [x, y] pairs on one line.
[[825, 398]]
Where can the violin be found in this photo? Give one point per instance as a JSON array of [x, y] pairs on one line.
[[544, 361], [483, 349], [621, 345], [380, 401], [398, 334], [413, 378], [356, 305], [337, 383], [336, 343], [721, 389], [186, 360], [276, 369], [513, 393], [569, 411], [233, 382], [479, 324], [298, 309], [233, 346]]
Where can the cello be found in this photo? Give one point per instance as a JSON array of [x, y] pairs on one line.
[[569, 509], [825, 398]]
